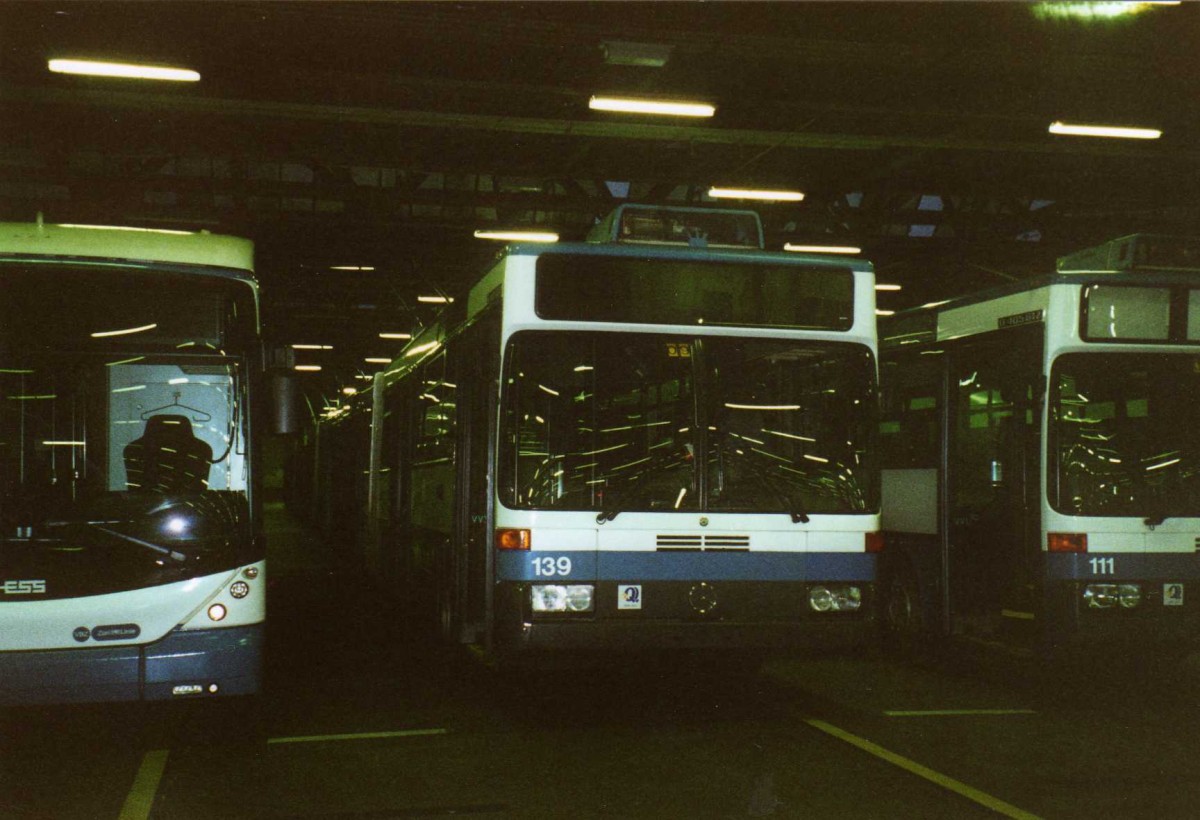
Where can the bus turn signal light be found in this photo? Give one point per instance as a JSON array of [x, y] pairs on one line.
[[1066, 541], [512, 539], [874, 542]]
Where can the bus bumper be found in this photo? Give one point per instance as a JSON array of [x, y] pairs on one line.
[[750, 617], [200, 663], [721, 636], [1152, 626]]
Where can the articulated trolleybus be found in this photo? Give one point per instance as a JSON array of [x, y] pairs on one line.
[[130, 561], [658, 438], [1041, 454]]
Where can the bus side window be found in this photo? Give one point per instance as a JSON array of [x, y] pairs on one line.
[[432, 496], [910, 422]]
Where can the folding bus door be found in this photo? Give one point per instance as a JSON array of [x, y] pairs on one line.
[[993, 486]]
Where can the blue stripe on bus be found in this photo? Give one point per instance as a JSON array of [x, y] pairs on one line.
[[1115, 566], [684, 566]]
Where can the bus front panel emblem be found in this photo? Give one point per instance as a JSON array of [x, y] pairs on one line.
[[703, 598]]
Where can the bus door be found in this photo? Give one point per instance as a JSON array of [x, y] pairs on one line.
[[467, 621], [992, 490]]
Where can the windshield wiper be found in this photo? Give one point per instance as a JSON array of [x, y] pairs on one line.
[[794, 504], [630, 490], [161, 550]]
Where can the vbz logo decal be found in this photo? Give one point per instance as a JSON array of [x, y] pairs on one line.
[[629, 596], [30, 587]]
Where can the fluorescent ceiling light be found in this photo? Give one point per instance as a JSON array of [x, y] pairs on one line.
[[309, 368], [126, 228], [645, 55], [128, 70], [1104, 131], [349, 391], [518, 236], [885, 312], [100, 334], [377, 360], [395, 335], [750, 193], [312, 347], [880, 286], [353, 267], [761, 406], [848, 249], [435, 300], [1102, 10], [669, 108]]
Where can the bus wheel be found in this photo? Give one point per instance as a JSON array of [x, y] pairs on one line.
[[903, 619]]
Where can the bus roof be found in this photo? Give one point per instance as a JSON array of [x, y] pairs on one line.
[[649, 251], [1127, 260], [133, 245]]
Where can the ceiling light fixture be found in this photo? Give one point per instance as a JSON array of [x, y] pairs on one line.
[[126, 228], [643, 55], [751, 193], [1089, 11], [312, 347], [353, 267], [377, 360], [518, 236], [1066, 129], [101, 334], [435, 300], [669, 108], [395, 335], [132, 71], [308, 368], [845, 249]]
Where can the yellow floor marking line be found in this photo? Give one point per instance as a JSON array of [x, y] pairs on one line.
[[956, 712], [358, 736], [145, 786], [973, 794]]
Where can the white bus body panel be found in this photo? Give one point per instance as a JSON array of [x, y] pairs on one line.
[[32, 625]]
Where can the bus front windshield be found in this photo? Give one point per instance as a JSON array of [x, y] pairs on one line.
[[1125, 433], [123, 398], [613, 422]]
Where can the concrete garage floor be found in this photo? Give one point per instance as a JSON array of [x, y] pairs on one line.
[[363, 720]]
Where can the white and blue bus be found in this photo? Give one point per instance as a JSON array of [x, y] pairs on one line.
[[1041, 458], [131, 559], [658, 438]]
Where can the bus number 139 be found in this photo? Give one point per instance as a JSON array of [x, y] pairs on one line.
[[552, 566]]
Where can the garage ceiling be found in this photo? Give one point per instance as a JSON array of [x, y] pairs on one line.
[[380, 135]]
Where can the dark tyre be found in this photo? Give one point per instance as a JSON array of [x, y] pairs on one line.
[[905, 632]]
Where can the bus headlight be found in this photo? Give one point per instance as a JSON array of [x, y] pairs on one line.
[[835, 598], [560, 598], [1107, 596], [1130, 595]]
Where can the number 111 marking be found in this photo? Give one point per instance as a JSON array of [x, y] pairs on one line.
[[1103, 566]]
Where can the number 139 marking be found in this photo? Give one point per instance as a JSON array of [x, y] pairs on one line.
[[551, 566]]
